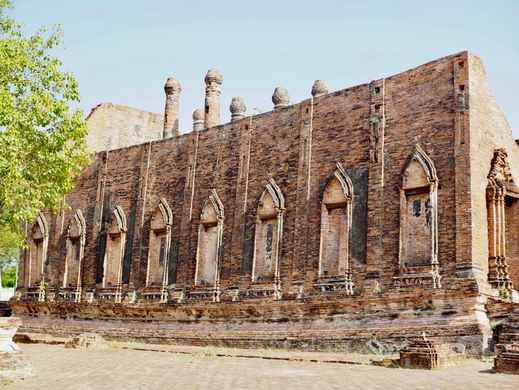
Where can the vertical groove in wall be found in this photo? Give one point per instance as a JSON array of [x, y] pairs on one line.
[[145, 187], [310, 134], [239, 259], [247, 169], [100, 241], [193, 177], [377, 122], [300, 232], [101, 183], [184, 241], [462, 190], [143, 184], [216, 172]]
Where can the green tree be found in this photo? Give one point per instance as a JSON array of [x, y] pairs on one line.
[[9, 244], [42, 138], [8, 273]]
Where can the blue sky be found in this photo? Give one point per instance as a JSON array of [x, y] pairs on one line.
[[121, 51]]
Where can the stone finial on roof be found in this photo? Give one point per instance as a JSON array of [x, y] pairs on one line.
[[237, 108], [319, 88], [198, 115], [280, 97], [198, 119], [213, 81], [172, 86], [213, 76]]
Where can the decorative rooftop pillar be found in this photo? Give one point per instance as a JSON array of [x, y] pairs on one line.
[[238, 108], [319, 88], [172, 88], [198, 120], [213, 80], [280, 98]]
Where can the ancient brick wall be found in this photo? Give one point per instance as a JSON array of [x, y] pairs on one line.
[[298, 147], [419, 109], [431, 121]]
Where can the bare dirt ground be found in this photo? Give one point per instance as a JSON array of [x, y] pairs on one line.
[[55, 367]]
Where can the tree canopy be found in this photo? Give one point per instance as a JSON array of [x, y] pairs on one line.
[[42, 138]]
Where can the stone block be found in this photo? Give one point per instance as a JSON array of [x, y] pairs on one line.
[[430, 355], [507, 359], [87, 341], [12, 364], [8, 328]]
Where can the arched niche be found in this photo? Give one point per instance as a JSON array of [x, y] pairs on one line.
[[159, 245], [75, 246], [419, 217], [336, 221], [503, 218], [210, 236], [115, 244], [268, 233], [37, 254]]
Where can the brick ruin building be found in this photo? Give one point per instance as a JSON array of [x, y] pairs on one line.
[[374, 214]]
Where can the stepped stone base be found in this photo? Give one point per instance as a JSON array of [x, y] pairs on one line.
[[311, 325]]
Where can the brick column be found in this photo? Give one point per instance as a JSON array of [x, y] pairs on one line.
[[172, 89], [185, 271], [139, 256], [213, 81], [303, 269], [91, 272], [241, 265], [465, 266]]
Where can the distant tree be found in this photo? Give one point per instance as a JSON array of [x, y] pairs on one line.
[[9, 276], [42, 139], [9, 244]]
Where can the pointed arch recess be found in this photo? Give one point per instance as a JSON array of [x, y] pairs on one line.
[[268, 234], [37, 259], [159, 245], [335, 271], [114, 254], [209, 245], [418, 253], [75, 247]]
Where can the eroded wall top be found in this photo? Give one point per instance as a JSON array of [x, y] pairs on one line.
[[113, 126]]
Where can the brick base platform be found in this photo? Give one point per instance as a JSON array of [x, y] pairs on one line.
[[335, 325]]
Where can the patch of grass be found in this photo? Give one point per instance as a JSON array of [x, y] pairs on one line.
[[387, 362], [6, 381]]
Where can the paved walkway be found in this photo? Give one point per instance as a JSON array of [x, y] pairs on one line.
[[57, 368]]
